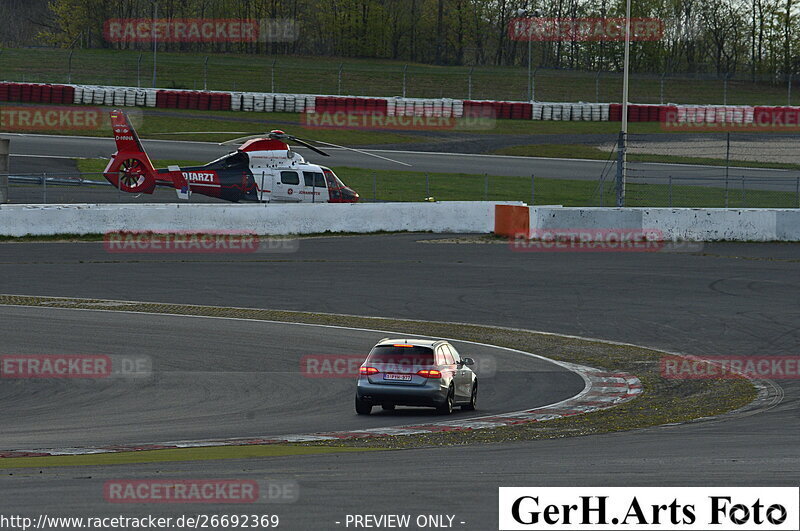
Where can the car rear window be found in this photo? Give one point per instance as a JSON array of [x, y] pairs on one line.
[[401, 355]]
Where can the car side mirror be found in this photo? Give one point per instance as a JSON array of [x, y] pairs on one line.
[[468, 361]]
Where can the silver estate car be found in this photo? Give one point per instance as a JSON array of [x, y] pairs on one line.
[[415, 372]]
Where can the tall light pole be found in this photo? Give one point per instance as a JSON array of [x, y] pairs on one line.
[[155, 39], [530, 87], [4, 151], [524, 13], [622, 157]]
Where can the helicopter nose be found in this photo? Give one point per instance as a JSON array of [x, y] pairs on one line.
[[350, 195]]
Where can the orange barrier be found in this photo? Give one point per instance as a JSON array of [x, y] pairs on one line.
[[511, 220]]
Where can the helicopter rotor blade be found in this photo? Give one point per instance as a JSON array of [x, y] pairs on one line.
[[204, 133], [309, 146], [363, 152], [280, 136], [242, 139]]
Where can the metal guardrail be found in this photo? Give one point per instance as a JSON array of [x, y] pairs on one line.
[[64, 187], [63, 181]]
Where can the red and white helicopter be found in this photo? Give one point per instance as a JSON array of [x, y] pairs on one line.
[[263, 169]]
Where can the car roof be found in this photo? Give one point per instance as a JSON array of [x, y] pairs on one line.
[[417, 342]]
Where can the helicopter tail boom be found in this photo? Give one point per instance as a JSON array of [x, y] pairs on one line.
[[129, 169]]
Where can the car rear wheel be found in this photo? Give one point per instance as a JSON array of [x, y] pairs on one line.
[[388, 407], [363, 408], [447, 407], [473, 399]]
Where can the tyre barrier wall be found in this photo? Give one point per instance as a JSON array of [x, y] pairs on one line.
[[182, 99], [702, 114], [37, 93], [674, 224], [330, 104], [510, 110], [273, 219]]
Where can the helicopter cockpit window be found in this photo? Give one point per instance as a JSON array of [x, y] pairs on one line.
[[231, 161], [333, 180], [290, 177], [316, 178]]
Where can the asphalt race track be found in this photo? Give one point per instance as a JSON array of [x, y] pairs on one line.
[[729, 299], [215, 378]]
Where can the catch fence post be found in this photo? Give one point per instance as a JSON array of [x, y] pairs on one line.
[[602, 192], [796, 190], [597, 86], [727, 164], [4, 150], [620, 170], [670, 191], [744, 194], [69, 67], [725, 89], [726, 191]]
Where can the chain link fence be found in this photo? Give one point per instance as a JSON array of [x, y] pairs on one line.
[[42, 188], [724, 170], [734, 191], [305, 75], [74, 187], [706, 189]]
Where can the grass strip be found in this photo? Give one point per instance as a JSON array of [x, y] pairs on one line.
[[204, 453]]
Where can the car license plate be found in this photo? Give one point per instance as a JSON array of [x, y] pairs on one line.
[[398, 377]]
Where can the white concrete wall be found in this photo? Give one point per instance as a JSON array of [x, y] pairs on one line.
[[448, 216], [690, 224]]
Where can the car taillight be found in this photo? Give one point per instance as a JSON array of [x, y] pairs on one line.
[[367, 370], [429, 373]]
